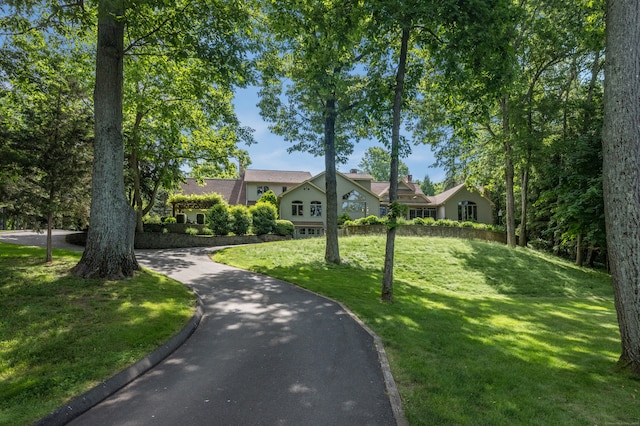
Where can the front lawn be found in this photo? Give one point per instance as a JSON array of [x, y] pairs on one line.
[[60, 336], [478, 333]]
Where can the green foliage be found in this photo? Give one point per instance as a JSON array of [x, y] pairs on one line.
[[192, 201], [369, 220], [284, 228], [269, 197], [191, 230], [240, 219], [170, 219], [447, 222], [264, 218], [151, 219], [343, 219], [206, 231], [219, 219], [376, 162]]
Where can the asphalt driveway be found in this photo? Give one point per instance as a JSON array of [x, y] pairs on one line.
[[265, 353]]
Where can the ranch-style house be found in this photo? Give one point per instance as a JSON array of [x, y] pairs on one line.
[[303, 201]]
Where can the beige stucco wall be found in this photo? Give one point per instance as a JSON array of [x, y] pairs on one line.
[[343, 186], [252, 189], [305, 193], [484, 206]]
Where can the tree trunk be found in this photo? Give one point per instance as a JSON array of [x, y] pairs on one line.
[[579, 251], [522, 241], [387, 277], [508, 175], [49, 255], [332, 249], [109, 250], [621, 170]]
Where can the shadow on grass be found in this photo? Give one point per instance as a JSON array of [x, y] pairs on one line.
[[61, 335], [528, 273], [541, 351]]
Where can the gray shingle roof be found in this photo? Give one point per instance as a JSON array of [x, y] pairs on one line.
[[276, 176]]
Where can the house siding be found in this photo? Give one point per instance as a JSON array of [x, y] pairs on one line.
[[484, 206]]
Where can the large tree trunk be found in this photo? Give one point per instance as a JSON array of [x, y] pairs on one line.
[[621, 170], [522, 241], [387, 277], [508, 175], [109, 250], [332, 249]]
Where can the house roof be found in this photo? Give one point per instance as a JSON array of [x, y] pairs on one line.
[[444, 196], [276, 176], [232, 190], [358, 176], [405, 187]]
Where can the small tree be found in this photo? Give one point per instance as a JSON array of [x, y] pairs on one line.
[[240, 219], [264, 218], [219, 219], [270, 197]]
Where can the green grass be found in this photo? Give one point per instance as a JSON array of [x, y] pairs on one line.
[[60, 336], [478, 333]]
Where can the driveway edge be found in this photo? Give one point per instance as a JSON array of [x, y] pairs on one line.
[[389, 382], [89, 399]]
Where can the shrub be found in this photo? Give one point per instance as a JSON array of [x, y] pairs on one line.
[[269, 197], [264, 218], [240, 219], [428, 221], [447, 222], [191, 231], [418, 221], [170, 219], [284, 228], [206, 231], [469, 224], [148, 219], [219, 219], [343, 219]]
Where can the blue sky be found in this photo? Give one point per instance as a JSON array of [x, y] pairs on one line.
[[270, 151]]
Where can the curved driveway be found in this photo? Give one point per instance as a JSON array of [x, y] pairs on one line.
[[265, 353]]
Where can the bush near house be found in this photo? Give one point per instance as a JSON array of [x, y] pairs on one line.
[[219, 219], [284, 228], [240, 219], [264, 217]]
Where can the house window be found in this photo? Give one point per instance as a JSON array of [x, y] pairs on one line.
[[354, 202], [467, 210], [262, 190], [316, 208], [431, 213], [303, 231], [284, 189], [200, 218], [296, 208]]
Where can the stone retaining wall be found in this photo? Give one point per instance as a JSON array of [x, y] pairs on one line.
[[429, 231], [157, 240]]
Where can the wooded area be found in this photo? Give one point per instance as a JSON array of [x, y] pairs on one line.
[[509, 93]]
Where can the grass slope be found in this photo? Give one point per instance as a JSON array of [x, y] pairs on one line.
[[478, 333], [60, 336]]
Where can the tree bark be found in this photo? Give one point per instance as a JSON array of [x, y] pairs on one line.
[[579, 251], [508, 175], [621, 170], [387, 276], [109, 251], [332, 249], [522, 241]]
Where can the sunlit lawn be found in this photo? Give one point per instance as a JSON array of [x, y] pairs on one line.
[[478, 333], [60, 336]]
